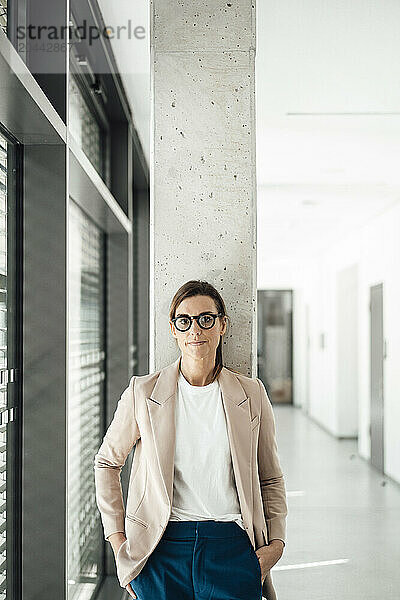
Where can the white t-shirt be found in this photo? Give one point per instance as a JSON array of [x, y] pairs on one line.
[[204, 485]]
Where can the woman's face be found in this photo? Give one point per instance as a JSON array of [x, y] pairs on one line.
[[194, 306]]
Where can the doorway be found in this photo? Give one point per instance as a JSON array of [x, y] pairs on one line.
[[377, 390], [275, 343]]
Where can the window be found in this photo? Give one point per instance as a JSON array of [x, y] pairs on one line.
[[9, 359], [86, 397], [88, 118], [3, 358], [84, 127], [3, 15]]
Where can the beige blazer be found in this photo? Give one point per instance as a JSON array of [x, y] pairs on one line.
[[145, 418]]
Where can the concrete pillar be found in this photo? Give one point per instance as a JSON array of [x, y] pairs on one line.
[[203, 168]]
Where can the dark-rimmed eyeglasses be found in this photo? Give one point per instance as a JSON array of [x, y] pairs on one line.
[[205, 321]]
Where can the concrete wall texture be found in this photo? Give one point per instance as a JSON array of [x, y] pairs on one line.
[[203, 171]]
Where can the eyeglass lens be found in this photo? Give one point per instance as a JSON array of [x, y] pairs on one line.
[[205, 321]]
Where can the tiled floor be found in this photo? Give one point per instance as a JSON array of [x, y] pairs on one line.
[[340, 509]]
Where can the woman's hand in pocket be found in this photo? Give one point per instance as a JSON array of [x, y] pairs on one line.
[[130, 591], [116, 540], [268, 556]]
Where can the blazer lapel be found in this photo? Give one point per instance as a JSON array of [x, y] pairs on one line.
[[238, 417], [161, 406]]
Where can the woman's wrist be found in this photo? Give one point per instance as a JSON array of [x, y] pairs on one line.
[[277, 542]]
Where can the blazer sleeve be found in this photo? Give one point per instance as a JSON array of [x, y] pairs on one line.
[[119, 439], [272, 483]]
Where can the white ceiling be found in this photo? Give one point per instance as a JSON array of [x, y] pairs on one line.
[[328, 143], [327, 158]]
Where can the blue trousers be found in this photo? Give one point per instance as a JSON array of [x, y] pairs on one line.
[[201, 560]]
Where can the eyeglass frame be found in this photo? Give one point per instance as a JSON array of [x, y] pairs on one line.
[[197, 317]]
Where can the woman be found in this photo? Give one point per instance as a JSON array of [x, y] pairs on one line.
[[206, 507]]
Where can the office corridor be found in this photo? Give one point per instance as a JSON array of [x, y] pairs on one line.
[[243, 156], [343, 526]]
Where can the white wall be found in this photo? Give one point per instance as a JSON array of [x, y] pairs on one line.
[[346, 348], [375, 249], [380, 259]]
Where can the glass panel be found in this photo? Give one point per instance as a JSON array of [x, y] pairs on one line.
[[86, 398], [84, 126], [3, 15], [274, 344], [9, 346]]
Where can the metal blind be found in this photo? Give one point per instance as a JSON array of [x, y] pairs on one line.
[[84, 126], [3, 15], [3, 365], [86, 396]]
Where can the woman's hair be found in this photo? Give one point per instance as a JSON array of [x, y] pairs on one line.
[[201, 288]]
